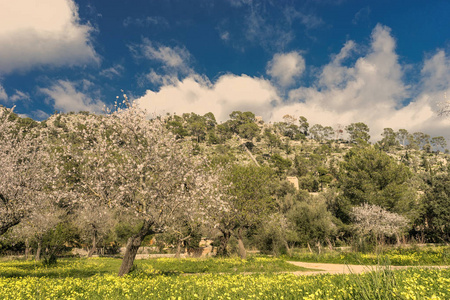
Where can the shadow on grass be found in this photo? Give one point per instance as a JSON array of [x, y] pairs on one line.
[[73, 267]]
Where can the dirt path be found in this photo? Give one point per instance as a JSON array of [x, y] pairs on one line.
[[336, 268]]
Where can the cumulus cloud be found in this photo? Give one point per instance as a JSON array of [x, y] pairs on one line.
[[286, 67], [197, 94], [361, 83], [43, 32], [372, 90], [67, 96]]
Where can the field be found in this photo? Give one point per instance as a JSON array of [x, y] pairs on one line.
[[211, 279], [412, 256]]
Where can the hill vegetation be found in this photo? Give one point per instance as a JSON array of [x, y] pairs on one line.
[[120, 179]]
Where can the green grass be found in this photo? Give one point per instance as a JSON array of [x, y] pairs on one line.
[[255, 264], [405, 284], [426, 256], [83, 267]]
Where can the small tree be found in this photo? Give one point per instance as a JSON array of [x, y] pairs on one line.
[[358, 132], [374, 221], [249, 201], [38, 224], [94, 220]]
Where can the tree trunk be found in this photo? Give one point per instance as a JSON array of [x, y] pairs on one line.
[[179, 244], [178, 253], [330, 245], [27, 248], [38, 251], [242, 252], [288, 249], [133, 245], [94, 245], [222, 249], [309, 247]]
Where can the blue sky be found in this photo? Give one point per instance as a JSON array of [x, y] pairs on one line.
[[385, 63]]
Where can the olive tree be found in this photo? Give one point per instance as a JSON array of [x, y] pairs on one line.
[[249, 201], [123, 160]]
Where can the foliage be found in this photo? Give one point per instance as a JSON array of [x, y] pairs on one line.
[[243, 124], [371, 176], [358, 133], [437, 209], [249, 201], [311, 222]]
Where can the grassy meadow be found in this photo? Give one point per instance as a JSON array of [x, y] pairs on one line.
[[213, 278], [410, 256]]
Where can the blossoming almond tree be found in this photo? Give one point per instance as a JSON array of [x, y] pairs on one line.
[[23, 172], [124, 160], [378, 222]]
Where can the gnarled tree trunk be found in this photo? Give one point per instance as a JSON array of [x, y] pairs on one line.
[[94, 245], [133, 245], [242, 252], [179, 244], [38, 251], [222, 249], [27, 248]]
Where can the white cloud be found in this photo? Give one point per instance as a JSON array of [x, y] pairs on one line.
[[43, 32], [174, 62], [361, 83], [19, 95], [114, 71], [285, 68], [3, 94], [436, 72], [40, 115], [372, 90], [66, 97], [176, 57], [225, 36], [228, 93]]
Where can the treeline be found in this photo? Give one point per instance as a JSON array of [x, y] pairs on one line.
[[120, 179], [247, 126]]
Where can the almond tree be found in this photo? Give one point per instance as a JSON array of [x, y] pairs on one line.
[[95, 221], [23, 170], [124, 160], [372, 220], [39, 223]]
